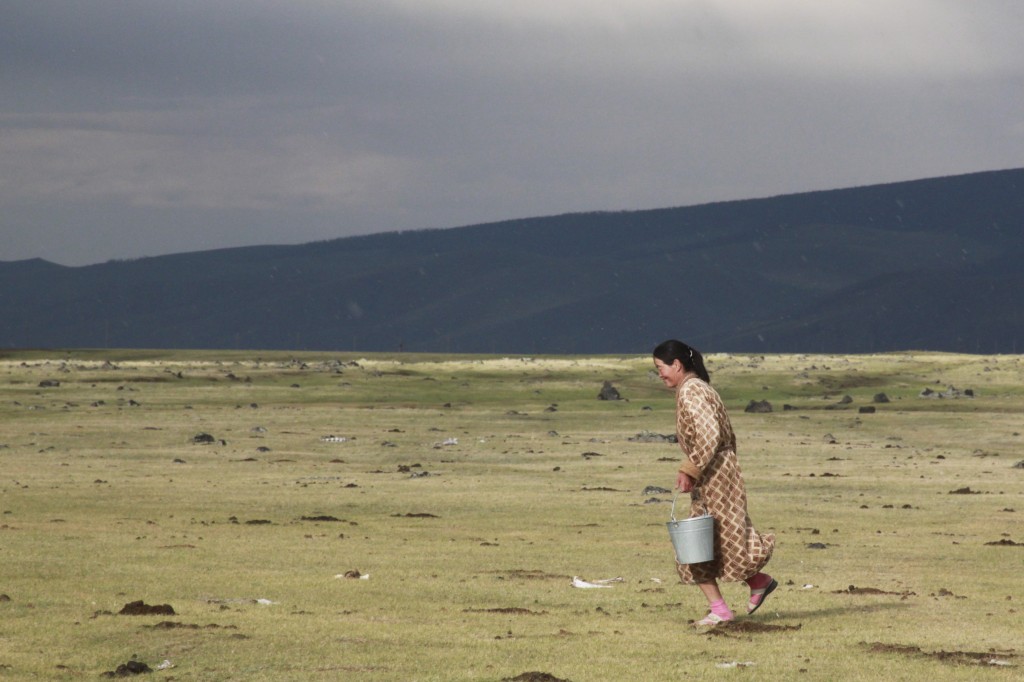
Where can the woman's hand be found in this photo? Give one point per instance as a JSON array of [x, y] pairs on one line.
[[684, 482]]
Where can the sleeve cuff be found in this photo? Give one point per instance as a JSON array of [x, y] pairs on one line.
[[689, 469]]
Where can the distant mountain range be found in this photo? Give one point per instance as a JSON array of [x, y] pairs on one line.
[[932, 264]]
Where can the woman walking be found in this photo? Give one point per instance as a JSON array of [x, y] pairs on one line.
[[710, 472]]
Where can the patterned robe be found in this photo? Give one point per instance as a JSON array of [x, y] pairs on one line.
[[709, 445]]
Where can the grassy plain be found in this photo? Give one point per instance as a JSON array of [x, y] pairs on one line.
[[471, 490]]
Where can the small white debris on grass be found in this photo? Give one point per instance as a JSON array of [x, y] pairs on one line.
[[808, 586], [265, 602], [334, 439], [589, 585], [735, 664], [165, 665]]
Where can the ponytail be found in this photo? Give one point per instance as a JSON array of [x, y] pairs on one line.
[[672, 350]]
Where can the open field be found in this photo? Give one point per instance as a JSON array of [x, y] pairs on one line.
[[469, 491]]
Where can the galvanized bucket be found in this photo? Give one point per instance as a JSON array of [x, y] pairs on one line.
[[693, 538]]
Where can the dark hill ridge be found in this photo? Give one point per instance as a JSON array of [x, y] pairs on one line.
[[925, 265]]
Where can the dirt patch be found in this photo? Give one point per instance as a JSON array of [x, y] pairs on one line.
[[172, 625], [965, 491], [735, 628], [418, 515], [992, 657], [512, 610], [353, 574], [662, 607], [844, 381], [534, 677], [128, 669], [140, 608], [853, 589], [1005, 542]]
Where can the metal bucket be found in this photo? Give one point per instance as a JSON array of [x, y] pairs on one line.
[[693, 538]]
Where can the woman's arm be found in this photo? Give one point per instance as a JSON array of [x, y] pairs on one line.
[[698, 433]]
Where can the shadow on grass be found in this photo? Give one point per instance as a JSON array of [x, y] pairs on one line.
[[771, 625], [830, 612]]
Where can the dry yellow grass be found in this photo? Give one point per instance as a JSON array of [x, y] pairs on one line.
[[471, 490]]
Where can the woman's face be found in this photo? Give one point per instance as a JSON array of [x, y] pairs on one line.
[[671, 375]]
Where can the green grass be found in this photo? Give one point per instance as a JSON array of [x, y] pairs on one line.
[[105, 499]]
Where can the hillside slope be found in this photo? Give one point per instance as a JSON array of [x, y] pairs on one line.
[[929, 264]]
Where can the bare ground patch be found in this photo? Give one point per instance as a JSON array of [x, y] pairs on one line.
[[534, 677], [140, 608], [993, 657], [737, 628], [173, 625], [512, 610], [853, 589]]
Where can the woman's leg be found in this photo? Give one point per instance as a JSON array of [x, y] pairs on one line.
[[711, 591], [719, 609]]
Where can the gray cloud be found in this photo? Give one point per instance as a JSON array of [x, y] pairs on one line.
[[131, 129]]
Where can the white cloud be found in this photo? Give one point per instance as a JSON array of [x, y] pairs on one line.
[[868, 38]]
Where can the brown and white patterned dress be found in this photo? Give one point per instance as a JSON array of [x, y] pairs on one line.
[[709, 445]]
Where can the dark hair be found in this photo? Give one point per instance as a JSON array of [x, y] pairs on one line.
[[672, 350]]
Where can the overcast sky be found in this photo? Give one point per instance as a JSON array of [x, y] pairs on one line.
[[139, 128]]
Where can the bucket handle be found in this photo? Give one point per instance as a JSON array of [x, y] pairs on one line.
[[676, 497]]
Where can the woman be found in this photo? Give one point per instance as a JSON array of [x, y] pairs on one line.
[[711, 474]]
